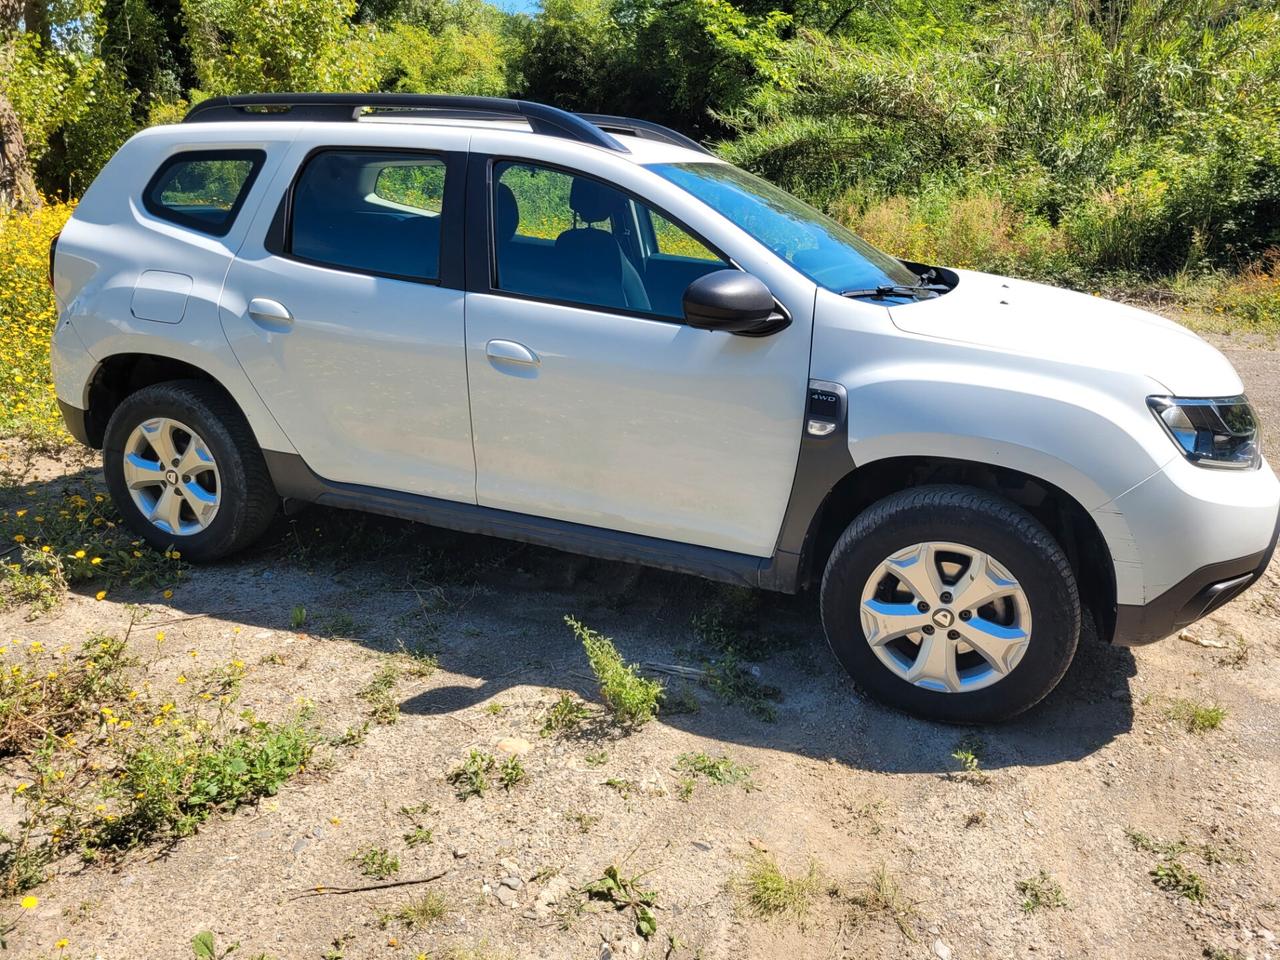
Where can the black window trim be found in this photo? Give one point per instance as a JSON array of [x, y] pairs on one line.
[[482, 256], [279, 239], [257, 158]]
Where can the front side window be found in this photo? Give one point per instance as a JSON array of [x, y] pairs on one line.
[[203, 189], [827, 253], [371, 212], [572, 239]]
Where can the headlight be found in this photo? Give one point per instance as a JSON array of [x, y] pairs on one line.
[[1211, 432]]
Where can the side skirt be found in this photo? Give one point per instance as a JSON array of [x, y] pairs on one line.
[[294, 480]]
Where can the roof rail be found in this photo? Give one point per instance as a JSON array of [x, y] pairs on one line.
[[643, 129], [319, 107]]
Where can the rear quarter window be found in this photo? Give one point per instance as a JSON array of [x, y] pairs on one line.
[[203, 189]]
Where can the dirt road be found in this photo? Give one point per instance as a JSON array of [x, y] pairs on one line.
[[912, 857]]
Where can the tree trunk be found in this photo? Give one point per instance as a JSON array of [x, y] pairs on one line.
[[17, 186]]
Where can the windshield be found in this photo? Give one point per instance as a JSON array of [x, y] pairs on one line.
[[817, 246]]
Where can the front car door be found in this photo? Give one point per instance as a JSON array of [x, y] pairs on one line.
[[591, 401], [345, 308]]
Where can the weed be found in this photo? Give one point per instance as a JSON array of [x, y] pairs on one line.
[[510, 772], [379, 693], [204, 947], [770, 892], [376, 862], [341, 624], [969, 753], [471, 777], [272, 659], [1196, 717], [495, 709], [352, 736], [583, 821], [297, 617], [682, 701], [883, 897], [1041, 892], [627, 788], [734, 683], [565, 715], [596, 759], [625, 893], [730, 621], [1175, 878], [419, 913], [975, 818], [1168, 849], [419, 836], [420, 663], [631, 698], [719, 770], [1218, 953]]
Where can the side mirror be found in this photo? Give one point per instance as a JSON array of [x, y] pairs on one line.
[[734, 302]]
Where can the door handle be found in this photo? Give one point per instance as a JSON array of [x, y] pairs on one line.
[[508, 351], [271, 314]]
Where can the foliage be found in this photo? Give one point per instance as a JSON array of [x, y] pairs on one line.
[[625, 893], [1176, 878], [376, 862], [1041, 892], [471, 777], [632, 699], [1197, 717], [27, 316], [719, 770], [565, 715]]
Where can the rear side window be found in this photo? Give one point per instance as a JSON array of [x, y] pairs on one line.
[[370, 212], [203, 189]]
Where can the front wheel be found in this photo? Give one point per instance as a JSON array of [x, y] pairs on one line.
[[185, 472], [951, 603]]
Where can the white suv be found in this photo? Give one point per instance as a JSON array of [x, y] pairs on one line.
[[588, 332]]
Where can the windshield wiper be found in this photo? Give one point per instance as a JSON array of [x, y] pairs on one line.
[[897, 290]]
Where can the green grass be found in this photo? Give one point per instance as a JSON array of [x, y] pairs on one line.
[[1196, 717], [719, 770], [419, 913], [379, 693], [631, 699], [1041, 892], [565, 715], [883, 897], [768, 892]]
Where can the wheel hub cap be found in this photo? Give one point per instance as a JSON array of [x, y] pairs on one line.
[[171, 476], [945, 617]]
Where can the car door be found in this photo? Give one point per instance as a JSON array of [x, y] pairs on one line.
[[591, 401], [346, 311]]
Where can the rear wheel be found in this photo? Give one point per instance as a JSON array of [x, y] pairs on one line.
[[185, 472], [951, 603]]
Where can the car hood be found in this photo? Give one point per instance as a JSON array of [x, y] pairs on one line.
[[1046, 322]]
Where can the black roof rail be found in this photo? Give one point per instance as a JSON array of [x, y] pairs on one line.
[[644, 130], [339, 107]]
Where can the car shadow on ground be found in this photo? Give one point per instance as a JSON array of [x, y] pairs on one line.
[[492, 611]]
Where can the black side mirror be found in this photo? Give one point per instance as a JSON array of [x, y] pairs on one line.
[[734, 302]]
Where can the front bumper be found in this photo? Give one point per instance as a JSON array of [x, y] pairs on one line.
[[1195, 596], [75, 419]]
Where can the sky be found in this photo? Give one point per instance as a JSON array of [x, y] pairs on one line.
[[518, 6]]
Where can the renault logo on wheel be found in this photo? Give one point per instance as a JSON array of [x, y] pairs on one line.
[[944, 618]]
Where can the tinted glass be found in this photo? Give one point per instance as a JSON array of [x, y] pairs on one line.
[[573, 239], [372, 212], [817, 246], [203, 190]]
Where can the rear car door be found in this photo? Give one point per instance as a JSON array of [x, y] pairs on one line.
[[592, 401], [345, 308]]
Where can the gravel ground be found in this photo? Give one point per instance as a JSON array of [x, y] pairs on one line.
[[842, 785]]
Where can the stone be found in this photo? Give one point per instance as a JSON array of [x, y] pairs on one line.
[[511, 883], [459, 853], [941, 950], [516, 746], [506, 896]]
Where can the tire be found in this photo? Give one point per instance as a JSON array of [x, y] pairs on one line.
[[236, 477], [1035, 625]]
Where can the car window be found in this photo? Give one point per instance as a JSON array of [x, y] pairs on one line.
[[203, 189], [573, 239], [821, 249], [371, 212]]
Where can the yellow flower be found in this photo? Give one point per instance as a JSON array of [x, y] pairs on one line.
[[159, 636], [19, 539], [182, 678], [20, 513], [100, 595], [168, 594], [96, 560], [61, 944], [30, 903], [79, 554], [46, 549], [22, 788]]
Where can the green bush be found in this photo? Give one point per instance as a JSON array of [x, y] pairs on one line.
[[631, 698]]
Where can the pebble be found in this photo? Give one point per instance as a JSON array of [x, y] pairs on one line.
[[702, 844], [300, 844], [460, 853], [512, 883], [506, 896], [516, 746], [941, 950]]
